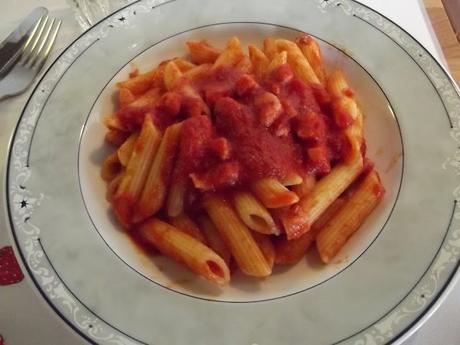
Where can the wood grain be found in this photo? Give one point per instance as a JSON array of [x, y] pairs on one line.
[[446, 35]]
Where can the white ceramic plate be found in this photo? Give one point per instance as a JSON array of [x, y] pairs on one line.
[[387, 278]]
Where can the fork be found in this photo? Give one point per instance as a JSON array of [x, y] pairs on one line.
[[34, 54]]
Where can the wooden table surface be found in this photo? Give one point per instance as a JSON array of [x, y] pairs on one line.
[[446, 36]]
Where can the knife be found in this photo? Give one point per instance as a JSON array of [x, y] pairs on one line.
[[11, 47]]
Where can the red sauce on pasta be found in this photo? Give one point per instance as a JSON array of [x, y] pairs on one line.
[[246, 129], [259, 152]]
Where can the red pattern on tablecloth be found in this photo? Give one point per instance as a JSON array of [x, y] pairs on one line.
[[10, 272]]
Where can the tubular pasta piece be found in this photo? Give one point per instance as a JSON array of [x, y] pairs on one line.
[[158, 178], [176, 195], [306, 186], [273, 194], [125, 97], [214, 239], [278, 60], [312, 52], [116, 137], [136, 172], [290, 252], [254, 214], [172, 75], [231, 55], [349, 217], [259, 61], [198, 71], [112, 186], [266, 246], [270, 48], [202, 52], [125, 151], [186, 224], [344, 105], [297, 61], [142, 82], [113, 122], [187, 250], [292, 180], [147, 98], [110, 167], [184, 65], [238, 237], [302, 215]]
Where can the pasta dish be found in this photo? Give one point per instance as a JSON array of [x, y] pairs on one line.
[[227, 160]]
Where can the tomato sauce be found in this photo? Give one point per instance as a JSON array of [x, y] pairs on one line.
[[247, 129], [259, 152], [193, 148]]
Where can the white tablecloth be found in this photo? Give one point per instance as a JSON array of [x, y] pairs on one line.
[[26, 319]]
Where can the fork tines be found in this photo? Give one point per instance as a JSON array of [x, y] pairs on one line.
[[38, 46]]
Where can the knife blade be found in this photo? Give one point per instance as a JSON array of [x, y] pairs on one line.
[[11, 47]]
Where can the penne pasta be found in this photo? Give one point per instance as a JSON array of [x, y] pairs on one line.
[[278, 60], [187, 250], [299, 64], [266, 246], [270, 48], [273, 194], [306, 186], [254, 214], [302, 215], [116, 137], [214, 239], [112, 186], [255, 157], [312, 52], [113, 122], [157, 181], [125, 97], [184, 65], [351, 215], [142, 82], [292, 180], [346, 112], [136, 172], [197, 72], [231, 55], [291, 252], [176, 196], [237, 236], [259, 61], [126, 149], [110, 167], [202, 52], [172, 75], [148, 98], [245, 65], [186, 224]]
